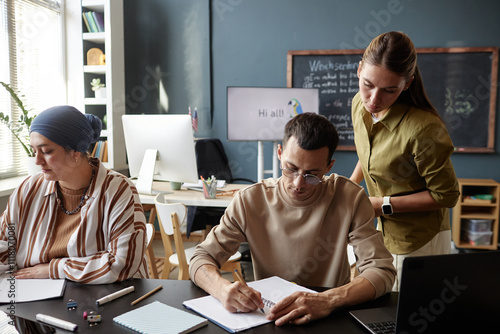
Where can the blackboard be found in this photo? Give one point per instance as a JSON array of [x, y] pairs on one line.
[[460, 82]]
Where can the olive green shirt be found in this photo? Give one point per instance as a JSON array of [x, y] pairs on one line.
[[406, 152]]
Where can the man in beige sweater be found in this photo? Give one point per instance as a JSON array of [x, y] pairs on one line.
[[298, 227]]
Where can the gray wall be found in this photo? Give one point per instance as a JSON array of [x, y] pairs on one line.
[[250, 39]]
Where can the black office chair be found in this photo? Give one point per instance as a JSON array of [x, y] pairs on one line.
[[211, 160]]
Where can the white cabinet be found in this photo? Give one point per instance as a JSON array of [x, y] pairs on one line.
[[111, 107]]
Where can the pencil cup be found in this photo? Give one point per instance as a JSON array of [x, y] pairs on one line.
[[209, 189]]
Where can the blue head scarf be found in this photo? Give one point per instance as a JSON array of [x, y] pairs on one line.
[[68, 127]]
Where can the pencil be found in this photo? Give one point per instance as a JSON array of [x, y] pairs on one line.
[[242, 280], [146, 295]]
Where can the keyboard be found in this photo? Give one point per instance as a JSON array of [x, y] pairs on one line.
[[386, 327]]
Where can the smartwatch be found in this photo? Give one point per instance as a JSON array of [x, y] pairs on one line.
[[386, 206]]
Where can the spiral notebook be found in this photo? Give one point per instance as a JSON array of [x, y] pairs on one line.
[[272, 289], [159, 318]]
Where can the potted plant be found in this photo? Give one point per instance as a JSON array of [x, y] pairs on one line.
[[20, 127], [98, 88]]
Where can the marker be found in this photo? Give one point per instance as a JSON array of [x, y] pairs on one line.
[[56, 322], [242, 280], [114, 295]]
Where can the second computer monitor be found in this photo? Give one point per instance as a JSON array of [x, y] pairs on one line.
[[172, 138]]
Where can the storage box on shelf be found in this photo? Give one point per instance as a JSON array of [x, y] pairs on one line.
[[109, 69], [475, 217]]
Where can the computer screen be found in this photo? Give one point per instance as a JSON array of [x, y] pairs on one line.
[[172, 138], [260, 113]]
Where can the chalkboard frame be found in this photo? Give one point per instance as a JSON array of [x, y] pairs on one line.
[[490, 128]]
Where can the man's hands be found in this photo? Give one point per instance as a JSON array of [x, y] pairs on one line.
[[38, 271], [235, 297], [239, 297], [300, 308]]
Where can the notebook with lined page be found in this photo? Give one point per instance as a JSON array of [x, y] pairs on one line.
[[159, 318]]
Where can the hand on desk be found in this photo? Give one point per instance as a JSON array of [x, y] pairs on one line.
[[38, 271], [300, 308]]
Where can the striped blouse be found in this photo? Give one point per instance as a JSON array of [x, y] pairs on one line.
[[108, 245]]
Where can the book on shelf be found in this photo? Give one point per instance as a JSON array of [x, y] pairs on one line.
[[90, 19], [104, 152], [94, 150], [94, 21], [99, 20], [100, 150], [87, 25]]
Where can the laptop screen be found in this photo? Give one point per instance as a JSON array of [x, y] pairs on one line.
[[446, 292]]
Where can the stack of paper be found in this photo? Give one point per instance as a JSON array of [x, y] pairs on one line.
[[199, 184]]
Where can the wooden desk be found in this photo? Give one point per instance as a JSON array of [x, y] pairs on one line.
[[173, 293], [192, 197]]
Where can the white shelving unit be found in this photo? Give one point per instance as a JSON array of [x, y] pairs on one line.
[[111, 108]]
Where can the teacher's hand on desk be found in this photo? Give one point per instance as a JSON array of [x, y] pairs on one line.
[[38, 271]]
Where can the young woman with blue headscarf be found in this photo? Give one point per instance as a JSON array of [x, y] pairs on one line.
[[75, 219]]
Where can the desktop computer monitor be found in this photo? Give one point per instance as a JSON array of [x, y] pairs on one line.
[[159, 147]]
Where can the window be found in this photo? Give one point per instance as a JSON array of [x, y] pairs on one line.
[[31, 61]]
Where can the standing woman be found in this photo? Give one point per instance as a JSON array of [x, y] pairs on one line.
[[75, 219], [404, 151]]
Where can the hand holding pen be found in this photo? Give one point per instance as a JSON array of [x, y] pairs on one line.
[[242, 280]]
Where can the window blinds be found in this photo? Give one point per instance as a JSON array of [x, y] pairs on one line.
[[31, 62]]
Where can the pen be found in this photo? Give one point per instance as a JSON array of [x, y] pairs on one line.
[[242, 280], [146, 295], [56, 322], [114, 295]]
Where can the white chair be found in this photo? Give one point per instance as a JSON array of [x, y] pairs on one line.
[[352, 261], [169, 216], [150, 233]]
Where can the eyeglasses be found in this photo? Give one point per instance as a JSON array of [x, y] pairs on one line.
[[309, 178]]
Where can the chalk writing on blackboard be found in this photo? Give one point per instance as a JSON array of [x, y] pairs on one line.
[[460, 101], [460, 82]]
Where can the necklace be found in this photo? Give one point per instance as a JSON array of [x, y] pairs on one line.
[[82, 200]]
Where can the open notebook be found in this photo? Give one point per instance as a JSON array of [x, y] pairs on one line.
[[272, 289]]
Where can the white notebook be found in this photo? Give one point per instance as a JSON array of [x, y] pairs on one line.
[[272, 289], [159, 318], [27, 290]]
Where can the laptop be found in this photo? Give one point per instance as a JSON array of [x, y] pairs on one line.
[[442, 294]]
